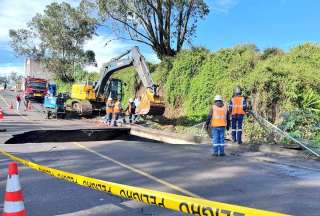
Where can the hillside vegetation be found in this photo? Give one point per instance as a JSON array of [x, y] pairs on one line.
[[283, 87]]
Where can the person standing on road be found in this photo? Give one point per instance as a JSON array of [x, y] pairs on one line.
[[137, 102], [18, 102], [26, 103], [117, 111], [109, 111], [131, 109], [218, 120], [237, 108]]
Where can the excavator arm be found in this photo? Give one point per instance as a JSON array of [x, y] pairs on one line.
[[151, 102]]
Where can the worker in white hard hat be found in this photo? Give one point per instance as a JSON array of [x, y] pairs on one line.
[[218, 121], [237, 108], [109, 111], [131, 109], [117, 111]]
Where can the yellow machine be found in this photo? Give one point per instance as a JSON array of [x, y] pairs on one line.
[[88, 97], [83, 92]]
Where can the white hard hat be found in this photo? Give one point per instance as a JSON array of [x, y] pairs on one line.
[[218, 98], [130, 100], [237, 90], [109, 99]]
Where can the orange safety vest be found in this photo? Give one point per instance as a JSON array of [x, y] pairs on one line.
[[110, 107], [219, 116], [237, 105], [117, 107]]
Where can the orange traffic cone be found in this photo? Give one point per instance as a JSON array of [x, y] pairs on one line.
[[1, 113], [13, 199]]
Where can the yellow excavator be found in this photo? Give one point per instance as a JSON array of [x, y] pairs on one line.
[[86, 98]]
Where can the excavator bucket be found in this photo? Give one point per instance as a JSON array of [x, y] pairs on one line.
[[151, 105]]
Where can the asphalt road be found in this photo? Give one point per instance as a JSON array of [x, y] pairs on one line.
[[242, 179]]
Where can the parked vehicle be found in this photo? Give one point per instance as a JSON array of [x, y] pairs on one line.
[[35, 88], [55, 105]]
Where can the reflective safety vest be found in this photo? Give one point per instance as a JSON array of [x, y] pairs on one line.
[[219, 116], [237, 105], [110, 107], [117, 107]]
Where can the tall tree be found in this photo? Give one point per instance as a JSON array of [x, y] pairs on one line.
[[164, 25], [56, 38]]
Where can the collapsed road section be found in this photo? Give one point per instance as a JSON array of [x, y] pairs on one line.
[[40, 136]]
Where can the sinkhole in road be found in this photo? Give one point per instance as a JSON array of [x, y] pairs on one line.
[[78, 135]]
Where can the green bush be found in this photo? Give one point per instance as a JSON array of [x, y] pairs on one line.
[[185, 66], [274, 82], [301, 124], [63, 87]]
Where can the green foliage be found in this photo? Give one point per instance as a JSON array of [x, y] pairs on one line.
[[185, 67], [161, 71], [56, 38], [300, 123], [274, 82], [63, 86], [310, 101], [316, 139], [80, 75]]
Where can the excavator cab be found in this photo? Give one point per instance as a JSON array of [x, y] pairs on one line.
[[114, 89]]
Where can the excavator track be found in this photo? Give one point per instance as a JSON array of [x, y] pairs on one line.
[[81, 107]]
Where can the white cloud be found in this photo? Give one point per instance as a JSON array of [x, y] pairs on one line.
[[105, 52], [15, 14], [222, 6], [6, 69]]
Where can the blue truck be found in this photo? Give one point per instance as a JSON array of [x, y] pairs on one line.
[[54, 104]]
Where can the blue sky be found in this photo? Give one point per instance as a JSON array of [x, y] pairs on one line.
[[266, 23]]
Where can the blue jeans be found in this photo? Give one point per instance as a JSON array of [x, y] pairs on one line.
[[116, 118], [109, 117], [218, 140], [236, 125]]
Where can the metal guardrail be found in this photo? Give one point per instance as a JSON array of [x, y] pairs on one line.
[[266, 123]]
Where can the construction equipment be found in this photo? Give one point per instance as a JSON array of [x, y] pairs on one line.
[[53, 104], [88, 97], [35, 88]]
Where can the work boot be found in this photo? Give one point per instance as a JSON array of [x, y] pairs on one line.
[[239, 137], [234, 136]]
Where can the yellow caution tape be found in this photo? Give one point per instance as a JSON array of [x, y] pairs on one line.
[[175, 202]]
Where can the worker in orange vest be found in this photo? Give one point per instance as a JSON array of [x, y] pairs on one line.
[[237, 108], [218, 120], [109, 111], [131, 109], [117, 111]]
